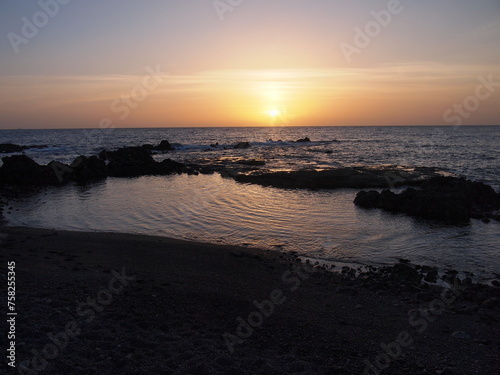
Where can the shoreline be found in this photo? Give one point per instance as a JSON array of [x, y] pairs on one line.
[[189, 303]]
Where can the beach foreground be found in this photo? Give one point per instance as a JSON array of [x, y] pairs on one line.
[[107, 303]]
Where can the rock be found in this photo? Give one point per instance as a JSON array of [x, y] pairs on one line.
[[148, 147], [303, 140], [367, 199], [21, 170], [405, 272], [164, 146], [460, 335], [88, 169], [431, 276], [128, 162], [441, 198], [242, 145], [358, 177], [7, 148], [251, 162]]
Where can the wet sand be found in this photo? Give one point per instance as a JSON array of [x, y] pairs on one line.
[[109, 303]]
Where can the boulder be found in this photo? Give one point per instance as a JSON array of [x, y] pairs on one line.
[[88, 169], [242, 145], [8, 148], [303, 140], [312, 179], [21, 170], [164, 146], [128, 162], [251, 162], [442, 198]]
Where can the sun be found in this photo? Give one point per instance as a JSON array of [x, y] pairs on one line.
[[274, 112]]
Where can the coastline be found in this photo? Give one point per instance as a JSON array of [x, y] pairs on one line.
[[189, 307]]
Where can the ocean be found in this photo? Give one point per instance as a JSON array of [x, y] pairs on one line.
[[323, 225]]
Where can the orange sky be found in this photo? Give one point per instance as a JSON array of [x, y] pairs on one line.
[[260, 65]]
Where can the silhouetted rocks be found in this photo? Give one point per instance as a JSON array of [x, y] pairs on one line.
[[21, 170], [128, 161], [86, 169], [251, 162], [357, 178], [8, 148], [442, 198], [137, 161], [164, 146], [304, 140], [242, 145]]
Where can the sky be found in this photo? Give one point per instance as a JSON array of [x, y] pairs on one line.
[[168, 63]]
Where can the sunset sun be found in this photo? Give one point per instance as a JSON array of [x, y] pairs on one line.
[[274, 113]]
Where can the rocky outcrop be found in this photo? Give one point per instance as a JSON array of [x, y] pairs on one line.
[[21, 170], [164, 146], [357, 178], [9, 148], [304, 140], [242, 145], [251, 162], [137, 161], [442, 198], [86, 169], [128, 162]]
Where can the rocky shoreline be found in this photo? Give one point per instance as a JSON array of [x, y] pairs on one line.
[[429, 195]]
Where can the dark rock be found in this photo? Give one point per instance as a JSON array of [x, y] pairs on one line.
[[128, 162], [431, 276], [164, 146], [137, 161], [442, 198], [405, 272], [7, 148], [252, 162], [303, 140], [60, 173], [168, 166], [88, 169], [242, 145], [325, 179], [21, 170]]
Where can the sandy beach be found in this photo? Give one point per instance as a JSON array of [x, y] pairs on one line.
[[108, 303]]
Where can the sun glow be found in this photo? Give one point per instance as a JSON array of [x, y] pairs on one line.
[[274, 113]]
